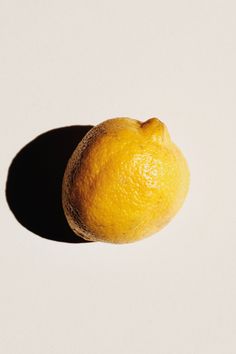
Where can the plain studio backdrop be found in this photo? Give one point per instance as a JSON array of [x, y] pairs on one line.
[[65, 63]]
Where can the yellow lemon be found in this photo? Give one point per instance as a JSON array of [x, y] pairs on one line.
[[125, 181]]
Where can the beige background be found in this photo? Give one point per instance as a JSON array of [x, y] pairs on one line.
[[80, 62]]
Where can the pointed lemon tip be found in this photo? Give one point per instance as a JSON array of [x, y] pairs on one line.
[[156, 130]]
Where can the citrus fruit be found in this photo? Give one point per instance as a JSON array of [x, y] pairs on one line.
[[125, 181]]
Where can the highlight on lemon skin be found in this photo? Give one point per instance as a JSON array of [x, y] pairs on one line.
[[125, 181]]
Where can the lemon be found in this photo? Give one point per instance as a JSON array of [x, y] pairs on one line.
[[125, 181]]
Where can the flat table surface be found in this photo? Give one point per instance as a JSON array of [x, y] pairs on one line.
[[64, 67]]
